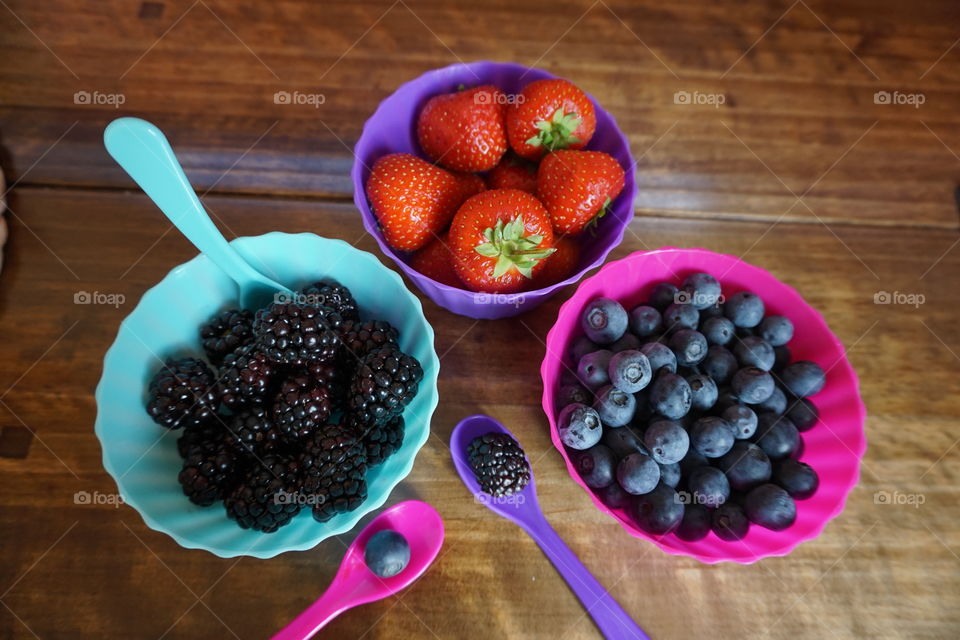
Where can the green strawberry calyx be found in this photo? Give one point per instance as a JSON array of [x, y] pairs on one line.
[[595, 220], [557, 132], [511, 248]]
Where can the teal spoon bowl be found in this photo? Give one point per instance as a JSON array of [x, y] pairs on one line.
[[142, 456]]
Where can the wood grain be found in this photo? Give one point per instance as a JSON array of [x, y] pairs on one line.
[[879, 571]]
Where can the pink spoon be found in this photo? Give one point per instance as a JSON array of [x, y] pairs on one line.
[[355, 584]]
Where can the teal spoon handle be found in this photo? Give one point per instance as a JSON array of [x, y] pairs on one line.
[[143, 151]]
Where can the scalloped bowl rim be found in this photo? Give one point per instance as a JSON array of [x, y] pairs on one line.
[[360, 196], [371, 504], [790, 542]]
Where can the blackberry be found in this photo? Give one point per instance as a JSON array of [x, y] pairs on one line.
[[381, 440], [198, 435], [266, 497], [360, 338], [333, 466], [253, 433], [385, 382], [296, 333], [302, 406], [225, 332], [333, 296], [183, 394], [209, 471], [498, 463], [246, 378]]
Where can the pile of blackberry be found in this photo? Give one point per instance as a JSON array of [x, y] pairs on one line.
[[293, 405], [687, 411]]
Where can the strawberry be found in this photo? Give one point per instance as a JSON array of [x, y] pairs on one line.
[[499, 239], [576, 187], [414, 199], [464, 131], [559, 266], [549, 115], [514, 173], [436, 261]]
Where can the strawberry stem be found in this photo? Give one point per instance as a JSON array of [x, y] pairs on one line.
[[557, 132], [511, 248]]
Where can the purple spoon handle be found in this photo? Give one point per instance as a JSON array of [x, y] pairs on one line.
[[609, 617]]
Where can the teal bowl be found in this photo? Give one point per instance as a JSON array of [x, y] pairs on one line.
[[142, 456]]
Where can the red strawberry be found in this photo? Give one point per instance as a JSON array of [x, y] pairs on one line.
[[577, 186], [559, 266], [549, 115], [414, 199], [464, 131], [436, 261], [472, 184], [499, 239], [514, 173]]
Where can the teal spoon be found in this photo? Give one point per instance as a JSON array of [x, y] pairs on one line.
[[143, 151]]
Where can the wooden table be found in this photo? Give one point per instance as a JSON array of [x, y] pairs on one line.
[[799, 170]]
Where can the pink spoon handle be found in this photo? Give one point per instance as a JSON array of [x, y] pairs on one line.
[[316, 616], [609, 617]]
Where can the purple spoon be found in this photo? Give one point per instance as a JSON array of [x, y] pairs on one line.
[[355, 584], [524, 510]]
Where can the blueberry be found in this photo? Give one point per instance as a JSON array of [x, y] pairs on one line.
[[626, 342], [645, 321], [662, 296], [718, 330], [770, 506], [623, 442], [658, 512], [712, 436], [579, 426], [689, 346], [680, 316], [604, 320], [595, 466], [777, 402], [754, 351], [781, 357], [803, 414], [581, 346], [703, 392], [726, 399], [777, 330], [745, 309], [777, 436], [614, 496], [797, 478], [570, 393], [719, 364], [667, 441], [615, 407], [638, 474], [592, 368], [660, 356], [670, 396], [803, 378], [742, 419], [670, 474], [702, 290], [708, 486], [629, 371], [730, 522], [752, 385], [713, 311], [691, 461], [386, 553], [696, 523], [746, 466]]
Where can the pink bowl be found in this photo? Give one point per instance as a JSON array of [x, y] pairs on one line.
[[833, 447], [392, 129]]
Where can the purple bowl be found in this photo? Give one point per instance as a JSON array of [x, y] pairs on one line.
[[392, 129]]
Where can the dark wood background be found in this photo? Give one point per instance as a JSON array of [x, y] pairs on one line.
[[799, 171]]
